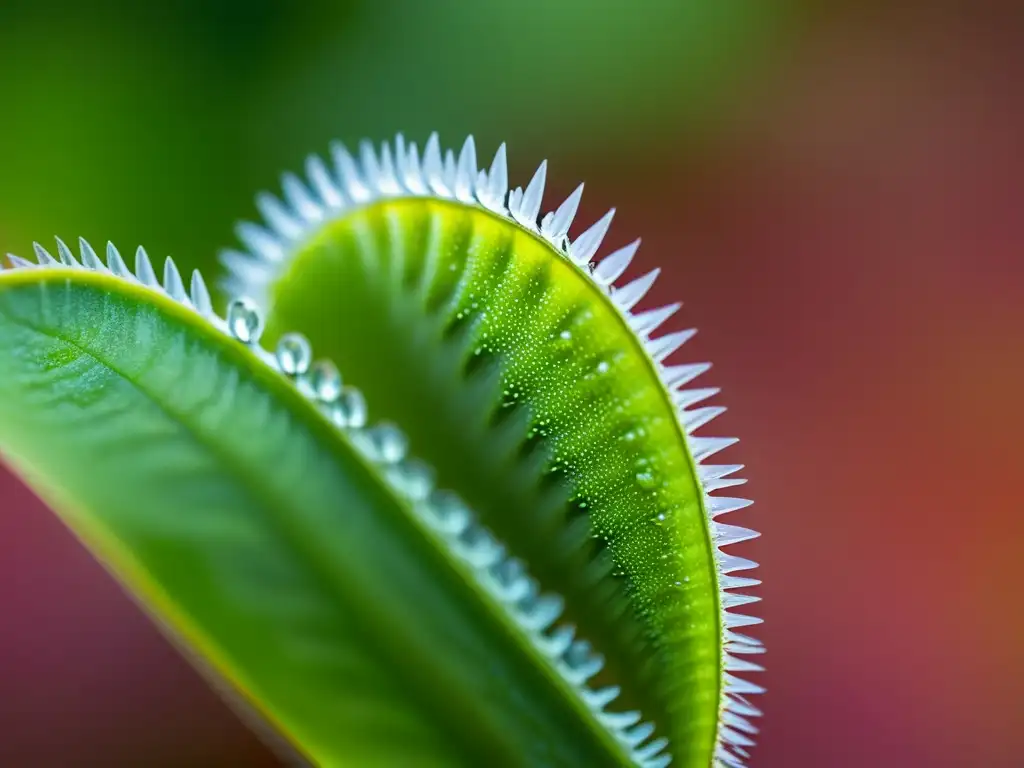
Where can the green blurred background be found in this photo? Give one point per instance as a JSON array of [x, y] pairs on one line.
[[835, 191]]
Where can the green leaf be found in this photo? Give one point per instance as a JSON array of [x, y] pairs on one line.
[[365, 617], [539, 394]]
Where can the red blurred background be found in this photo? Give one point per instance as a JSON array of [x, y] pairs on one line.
[[843, 215]]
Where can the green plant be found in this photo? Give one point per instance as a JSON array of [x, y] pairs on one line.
[[519, 563]]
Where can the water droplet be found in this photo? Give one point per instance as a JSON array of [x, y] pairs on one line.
[[350, 409], [602, 367], [325, 380], [414, 478], [565, 335], [389, 443], [449, 512], [293, 354], [244, 321], [646, 479]]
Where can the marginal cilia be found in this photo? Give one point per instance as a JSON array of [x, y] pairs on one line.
[[398, 171]]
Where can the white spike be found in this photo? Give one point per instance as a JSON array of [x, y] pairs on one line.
[[585, 246], [646, 323], [275, 214], [558, 225], [735, 684], [89, 258], [662, 761], [66, 256], [739, 704], [599, 699], [450, 172], [515, 201], [43, 257], [433, 166], [732, 534], [734, 664], [200, 295], [300, 199], [736, 637], [638, 734], [716, 471], [738, 722], [403, 169], [676, 376], [559, 642], [734, 620], [738, 582], [371, 168], [351, 181], [698, 417], [172, 281], [465, 175], [705, 447], [731, 736], [739, 648], [19, 263], [729, 563], [650, 750], [618, 721], [718, 485], [684, 398], [735, 600], [413, 179], [260, 242], [630, 294], [663, 346], [722, 505], [389, 183], [611, 267], [320, 178], [114, 261], [497, 181], [529, 206], [144, 269]]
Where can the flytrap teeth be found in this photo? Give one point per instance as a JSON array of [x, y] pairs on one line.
[[399, 169], [196, 297]]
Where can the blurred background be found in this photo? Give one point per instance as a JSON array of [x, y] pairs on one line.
[[836, 192]]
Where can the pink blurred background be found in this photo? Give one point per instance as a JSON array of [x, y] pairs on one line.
[[846, 226]]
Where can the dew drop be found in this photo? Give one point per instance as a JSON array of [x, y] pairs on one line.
[[350, 409], [413, 478], [449, 512], [244, 321], [293, 354], [389, 443], [602, 367], [565, 335], [646, 479], [325, 380]]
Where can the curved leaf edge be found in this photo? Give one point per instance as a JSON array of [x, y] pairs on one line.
[[501, 580], [399, 171]]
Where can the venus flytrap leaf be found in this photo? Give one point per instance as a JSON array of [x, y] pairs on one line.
[[475, 322]]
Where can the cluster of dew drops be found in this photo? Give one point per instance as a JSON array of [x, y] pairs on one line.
[[345, 406]]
